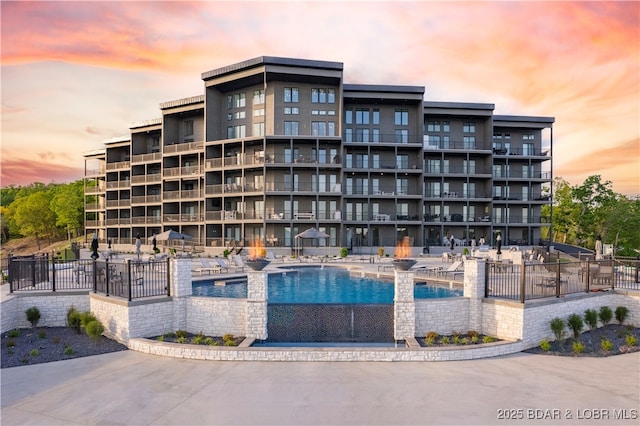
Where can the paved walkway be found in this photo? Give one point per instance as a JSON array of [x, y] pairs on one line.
[[129, 388]]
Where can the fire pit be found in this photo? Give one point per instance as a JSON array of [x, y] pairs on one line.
[[403, 264], [402, 261], [257, 252]]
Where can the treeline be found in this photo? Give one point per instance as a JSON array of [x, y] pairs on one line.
[[583, 212], [48, 212]]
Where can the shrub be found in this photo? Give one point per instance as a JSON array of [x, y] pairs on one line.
[[68, 350], [465, 251], [380, 251], [70, 311], [591, 318], [181, 339], [94, 329], [214, 342], [34, 352], [74, 319], [621, 314], [578, 347], [606, 345], [181, 333], [545, 345], [229, 342], [33, 315], [444, 340], [557, 326], [344, 252], [475, 339], [171, 335], [432, 335], [86, 317], [488, 339], [605, 315], [228, 336], [472, 333], [198, 340], [429, 342], [10, 343], [464, 341], [209, 341], [42, 334], [160, 338], [631, 340], [456, 339], [576, 324], [14, 333]]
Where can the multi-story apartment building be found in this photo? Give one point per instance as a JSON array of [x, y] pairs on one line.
[[275, 146]]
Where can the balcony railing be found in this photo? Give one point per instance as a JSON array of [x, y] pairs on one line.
[[141, 220], [183, 217], [94, 206], [119, 221], [183, 147], [121, 165], [119, 203], [477, 145], [146, 158], [182, 194], [149, 178], [94, 189], [119, 184], [182, 171]]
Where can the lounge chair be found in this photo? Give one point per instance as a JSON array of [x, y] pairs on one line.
[[273, 258], [236, 263], [222, 264], [207, 267], [453, 269]]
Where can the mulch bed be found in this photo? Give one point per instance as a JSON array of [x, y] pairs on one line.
[[199, 339], [463, 339], [591, 339], [50, 344]]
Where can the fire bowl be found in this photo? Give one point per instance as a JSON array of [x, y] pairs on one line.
[[257, 264], [403, 264]]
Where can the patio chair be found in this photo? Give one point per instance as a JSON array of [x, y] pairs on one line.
[[274, 258], [236, 263], [207, 267], [453, 269], [222, 264]]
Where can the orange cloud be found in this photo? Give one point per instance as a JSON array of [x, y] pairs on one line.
[[23, 172]]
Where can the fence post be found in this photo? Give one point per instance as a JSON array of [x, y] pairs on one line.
[[523, 280], [558, 278], [10, 261], [168, 278], [613, 273], [587, 274], [129, 279], [107, 277], [53, 272], [486, 278]]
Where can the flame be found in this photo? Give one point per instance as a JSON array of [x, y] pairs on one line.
[[257, 250], [402, 249]]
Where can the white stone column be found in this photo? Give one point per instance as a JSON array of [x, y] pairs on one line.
[[474, 285], [180, 281], [256, 326], [404, 308]]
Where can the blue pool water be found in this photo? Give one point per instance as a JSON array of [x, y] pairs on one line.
[[327, 285]]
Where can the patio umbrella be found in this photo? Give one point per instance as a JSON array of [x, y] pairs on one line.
[[599, 248], [499, 244], [311, 233], [170, 235]]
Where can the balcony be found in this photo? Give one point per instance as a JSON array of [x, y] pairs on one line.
[[184, 217], [477, 145], [183, 147], [182, 194], [94, 189], [146, 158], [125, 183], [187, 171], [146, 220], [146, 199], [120, 165], [119, 221], [119, 203], [149, 178]]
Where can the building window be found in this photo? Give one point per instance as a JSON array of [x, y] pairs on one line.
[[239, 100], [291, 128], [375, 135], [527, 137], [258, 129], [433, 126], [229, 116], [348, 135], [258, 97], [469, 142], [401, 136], [376, 117], [258, 112], [238, 115], [318, 128], [229, 101], [445, 126], [291, 110], [291, 94], [348, 116], [331, 96], [323, 96], [188, 128], [469, 127], [402, 117], [332, 128], [362, 116]]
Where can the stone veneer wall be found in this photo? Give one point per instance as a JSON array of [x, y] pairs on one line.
[[404, 310], [443, 316], [216, 316], [53, 308]]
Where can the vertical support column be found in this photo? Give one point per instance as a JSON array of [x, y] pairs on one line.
[[256, 326], [474, 290], [181, 287], [404, 307]]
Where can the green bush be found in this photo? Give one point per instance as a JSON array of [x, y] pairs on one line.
[[475, 339], [631, 340], [181, 339], [488, 339], [87, 317], [576, 324], [591, 318], [432, 335], [605, 315], [344, 252], [621, 314], [33, 315], [545, 345], [94, 329], [68, 350], [557, 326], [74, 319], [606, 345], [70, 311], [472, 333], [182, 333], [198, 340], [34, 352], [464, 341], [14, 333], [160, 338], [42, 334], [578, 347], [444, 340]]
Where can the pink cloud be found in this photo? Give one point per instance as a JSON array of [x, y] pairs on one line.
[[17, 171]]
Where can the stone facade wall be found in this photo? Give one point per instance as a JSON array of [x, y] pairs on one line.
[[256, 306], [404, 311], [443, 316], [53, 308], [216, 316]]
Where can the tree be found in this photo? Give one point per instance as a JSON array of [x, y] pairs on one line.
[[594, 199], [563, 208], [34, 216], [67, 203], [621, 226]]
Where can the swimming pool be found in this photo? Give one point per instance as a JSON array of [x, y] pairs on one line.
[[322, 285]]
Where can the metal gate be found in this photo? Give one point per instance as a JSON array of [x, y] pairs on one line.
[[330, 323]]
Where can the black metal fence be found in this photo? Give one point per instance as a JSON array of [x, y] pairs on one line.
[[529, 281], [130, 278]]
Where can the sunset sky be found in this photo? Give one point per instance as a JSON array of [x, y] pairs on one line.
[[75, 74]]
